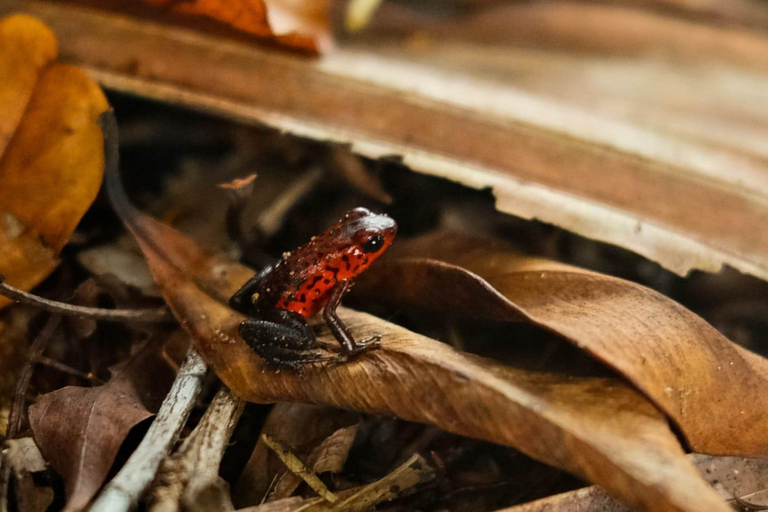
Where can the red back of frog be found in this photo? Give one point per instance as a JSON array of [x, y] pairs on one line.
[[302, 280]]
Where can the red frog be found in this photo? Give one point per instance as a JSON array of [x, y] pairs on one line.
[[281, 298]]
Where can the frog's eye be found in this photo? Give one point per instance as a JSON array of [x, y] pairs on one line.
[[373, 244]]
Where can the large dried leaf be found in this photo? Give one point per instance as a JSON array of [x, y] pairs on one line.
[[51, 157], [711, 388], [599, 428], [731, 476], [80, 430], [671, 137]]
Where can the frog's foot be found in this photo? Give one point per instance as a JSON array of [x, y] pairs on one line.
[[364, 345]]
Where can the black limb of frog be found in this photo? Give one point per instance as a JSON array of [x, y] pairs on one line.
[[284, 338]]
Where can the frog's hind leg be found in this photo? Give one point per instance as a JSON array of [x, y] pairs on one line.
[[283, 346]]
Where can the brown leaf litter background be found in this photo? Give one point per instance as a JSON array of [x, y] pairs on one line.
[[610, 429], [80, 430], [598, 428]]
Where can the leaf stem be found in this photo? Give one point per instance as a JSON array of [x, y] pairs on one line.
[[160, 314]]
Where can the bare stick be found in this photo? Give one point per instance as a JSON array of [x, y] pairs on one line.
[[114, 315], [196, 463], [124, 491]]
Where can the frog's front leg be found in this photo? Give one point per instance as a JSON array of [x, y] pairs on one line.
[[284, 340], [348, 343]]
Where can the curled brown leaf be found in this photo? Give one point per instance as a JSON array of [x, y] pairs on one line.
[[711, 388]]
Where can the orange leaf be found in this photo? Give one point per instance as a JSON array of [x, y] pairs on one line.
[[296, 24], [51, 157]]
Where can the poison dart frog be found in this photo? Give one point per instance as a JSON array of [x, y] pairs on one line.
[[280, 299]]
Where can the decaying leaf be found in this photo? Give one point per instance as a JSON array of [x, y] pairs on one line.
[[51, 156], [80, 430], [25, 461], [306, 430], [711, 388], [596, 427]]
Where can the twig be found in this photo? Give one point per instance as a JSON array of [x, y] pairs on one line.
[[270, 220], [160, 314], [296, 466], [747, 506], [239, 191], [124, 491], [412, 472], [47, 361], [196, 463], [401, 481]]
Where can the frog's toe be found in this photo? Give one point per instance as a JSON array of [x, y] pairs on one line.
[[366, 344]]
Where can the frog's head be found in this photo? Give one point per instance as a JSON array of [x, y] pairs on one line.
[[368, 235]]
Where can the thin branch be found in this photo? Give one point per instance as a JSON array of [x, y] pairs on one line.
[[196, 463], [52, 363], [124, 491], [160, 314], [239, 191]]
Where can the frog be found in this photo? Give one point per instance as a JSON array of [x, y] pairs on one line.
[[279, 300]]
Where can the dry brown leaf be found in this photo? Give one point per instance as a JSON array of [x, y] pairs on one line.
[[80, 430], [599, 428], [295, 25], [616, 28], [51, 157], [544, 158], [731, 476], [246, 15], [303, 429], [711, 388]]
